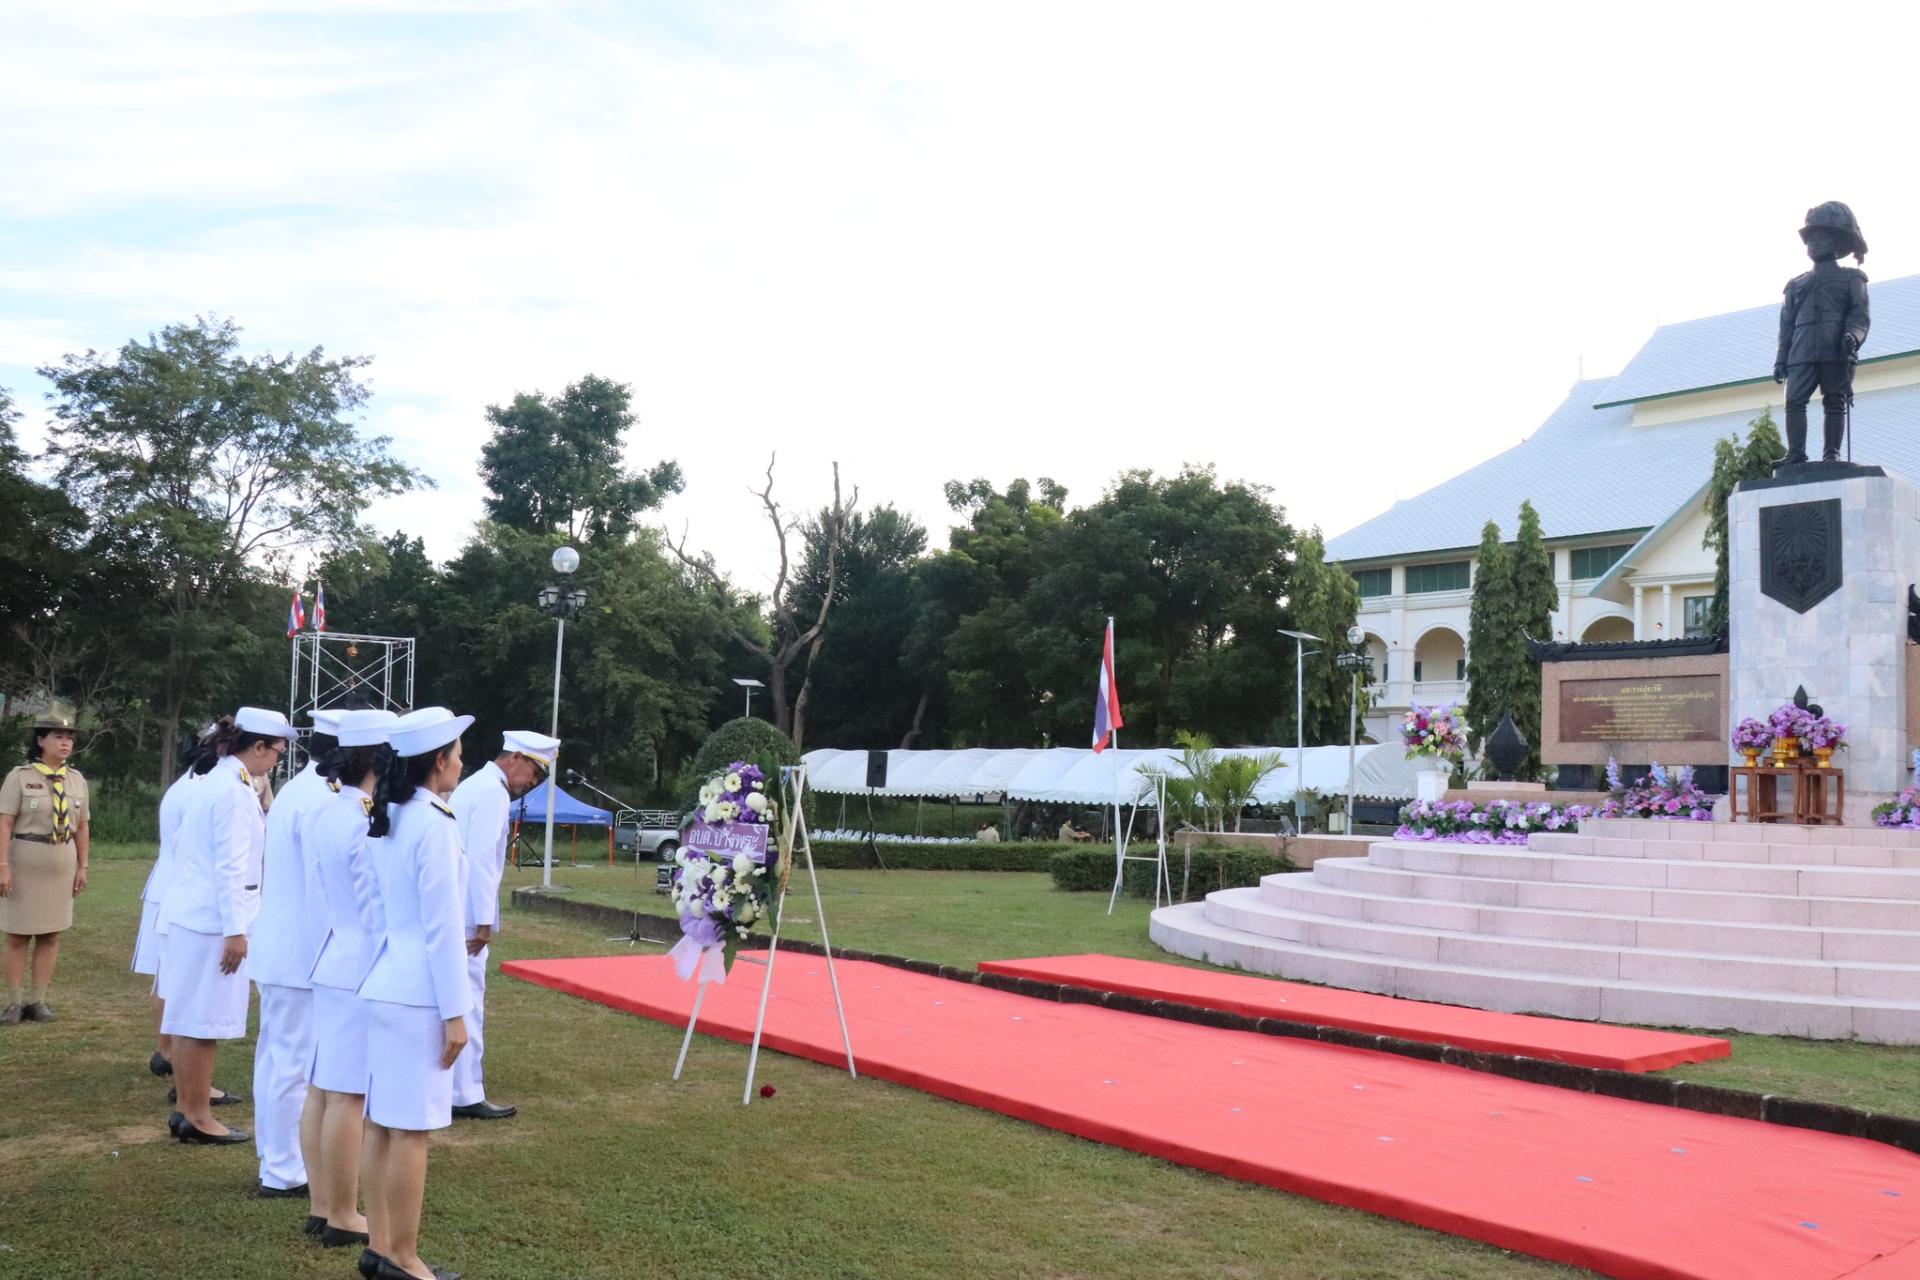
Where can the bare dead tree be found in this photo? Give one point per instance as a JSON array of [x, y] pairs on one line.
[[794, 632]]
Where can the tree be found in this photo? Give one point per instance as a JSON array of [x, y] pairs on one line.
[[39, 529], [1324, 602], [1535, 597], [1213, 784], [554, 464], [201, 468], [1496, 653], [1732, 463]]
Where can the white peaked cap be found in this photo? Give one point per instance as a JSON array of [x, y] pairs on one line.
[[428, 729], [268, 724], [327, 720], [365, 728], [534, 746]]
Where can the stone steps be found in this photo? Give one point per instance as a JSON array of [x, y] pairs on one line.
[[1188, 930], [1247, 910], [1778, 930], [1301, 891]]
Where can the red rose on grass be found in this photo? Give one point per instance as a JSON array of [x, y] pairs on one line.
[[766, 1091]]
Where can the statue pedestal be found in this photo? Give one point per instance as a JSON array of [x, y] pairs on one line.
[[1817, 598], [1430, 782]]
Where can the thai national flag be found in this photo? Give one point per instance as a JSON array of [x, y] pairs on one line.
[[1106, 707], [296, 617], [320, 608]]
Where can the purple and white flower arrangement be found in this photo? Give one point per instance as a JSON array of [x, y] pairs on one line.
[[1789, 721], [1433, 731], [1663, 793], [720, 898], [1495, 822], [1824, 732], [1902, 814], [1752, 735]]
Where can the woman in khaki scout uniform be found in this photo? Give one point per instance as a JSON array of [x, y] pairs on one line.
[[43, 863]]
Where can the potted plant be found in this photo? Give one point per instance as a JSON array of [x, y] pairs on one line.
[[1750, 738]]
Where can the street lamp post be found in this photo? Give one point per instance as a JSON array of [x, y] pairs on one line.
[[1300, 654], [749, 684], [560, 604], [1353, 660]]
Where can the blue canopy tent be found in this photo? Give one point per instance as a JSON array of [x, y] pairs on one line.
[[531, 809]]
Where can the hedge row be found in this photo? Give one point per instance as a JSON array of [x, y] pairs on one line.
[[1007, 856], [1214, 867]]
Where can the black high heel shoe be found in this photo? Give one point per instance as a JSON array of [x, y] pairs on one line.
[[315, 1225], [332, 1237], [387, 1271], [220, 1099], [187, 1133], [174, 1122], [160, 1067], [370, 1263]]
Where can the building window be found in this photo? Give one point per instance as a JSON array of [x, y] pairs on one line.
[[1592, 562], [1695, 614], [1452, 575], [1374, 582], [1417, 677], [1460, 669]]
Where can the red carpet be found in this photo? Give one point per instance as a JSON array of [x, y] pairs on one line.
[[1590, 1044], [1626, 1189]]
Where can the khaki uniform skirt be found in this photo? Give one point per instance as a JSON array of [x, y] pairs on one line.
[[41, 900]]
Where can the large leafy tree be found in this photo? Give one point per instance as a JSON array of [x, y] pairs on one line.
[[1732, 463], [555, 464], [1324, 602], [1535, 597], [200, 469], [38, 531]]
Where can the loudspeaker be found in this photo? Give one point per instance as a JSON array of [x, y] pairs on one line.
[[876, 769]]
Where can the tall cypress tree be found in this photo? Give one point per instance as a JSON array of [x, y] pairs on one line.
[[1534, 599], [1732, 463], [1491, 639]]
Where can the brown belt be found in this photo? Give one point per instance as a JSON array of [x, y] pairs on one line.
[[40, 839]]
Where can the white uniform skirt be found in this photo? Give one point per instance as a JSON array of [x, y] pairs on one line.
[[146, 948], [340, 1029], [202, 1002], [407, 1088]]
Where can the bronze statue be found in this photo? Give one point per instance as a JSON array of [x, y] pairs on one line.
[[1822, 324]]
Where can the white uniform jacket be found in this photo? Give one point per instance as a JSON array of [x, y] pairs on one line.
[[421, 958], [173, 807], [342, 891], [216, 858], [481, 806], [284, 937]]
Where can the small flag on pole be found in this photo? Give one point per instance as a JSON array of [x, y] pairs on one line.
[[320, 607], [296, 616], [1106, 707]]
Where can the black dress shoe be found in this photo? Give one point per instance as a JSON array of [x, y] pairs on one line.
[[186, 1132], [160, 1067], [315, 1225], [484, 1110], [332, 1237], [39, 1011], [387, 1271], [221, 1098], [174, 1122], [265, 1192], [369, 1263]]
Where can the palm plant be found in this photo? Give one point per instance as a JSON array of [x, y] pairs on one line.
[[1212, 785]]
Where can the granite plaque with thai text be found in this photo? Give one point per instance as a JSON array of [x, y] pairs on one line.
[[1656, 709]]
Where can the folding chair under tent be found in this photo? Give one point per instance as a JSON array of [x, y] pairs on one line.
[[529, 815]]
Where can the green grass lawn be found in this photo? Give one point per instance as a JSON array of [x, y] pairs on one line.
[[964, 917], [612, 1170]]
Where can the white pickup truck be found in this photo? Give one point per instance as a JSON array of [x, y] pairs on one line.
[[647, 833]]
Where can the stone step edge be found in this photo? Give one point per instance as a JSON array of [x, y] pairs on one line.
[[1527, 851], [1598, 884], [1826, 1117], [1317, 886]]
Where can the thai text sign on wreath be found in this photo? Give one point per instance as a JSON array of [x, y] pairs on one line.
[[1656, 709], [724, 843]]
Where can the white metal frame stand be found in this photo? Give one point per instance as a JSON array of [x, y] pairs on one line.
[[1161, 876], [793, 785]]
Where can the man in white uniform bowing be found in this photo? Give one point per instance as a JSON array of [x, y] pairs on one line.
[[480, 805], [279, 958]]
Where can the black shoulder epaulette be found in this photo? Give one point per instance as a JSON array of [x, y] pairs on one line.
[[443, 809]]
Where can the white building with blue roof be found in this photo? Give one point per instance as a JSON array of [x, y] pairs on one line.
[[1618, 474]]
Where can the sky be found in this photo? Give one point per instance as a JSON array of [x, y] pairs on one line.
[[1341, 251]]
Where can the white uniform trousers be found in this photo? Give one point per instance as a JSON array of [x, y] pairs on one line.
[[280, 1061], [468, 1087]]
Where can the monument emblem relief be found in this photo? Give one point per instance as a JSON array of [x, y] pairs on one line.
[[1800, 552]]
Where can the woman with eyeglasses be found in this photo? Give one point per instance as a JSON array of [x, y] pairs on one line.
[[210, 905], [416, 990], [43, 863]]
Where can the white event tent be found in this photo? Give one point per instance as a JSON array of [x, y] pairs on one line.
[[1077, 775]]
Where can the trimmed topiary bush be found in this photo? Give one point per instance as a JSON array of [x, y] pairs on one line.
[[754, 741], [1081, 870]]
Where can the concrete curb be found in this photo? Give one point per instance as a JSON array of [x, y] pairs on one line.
[[1894, 1130]]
